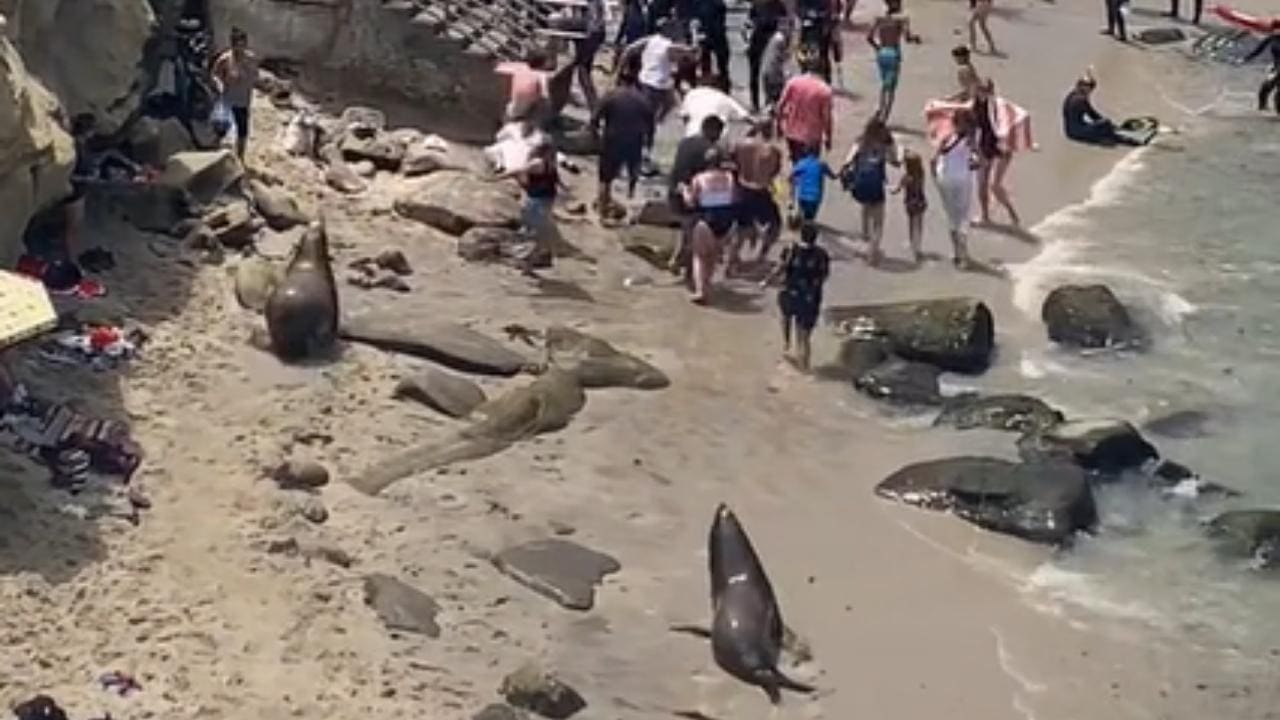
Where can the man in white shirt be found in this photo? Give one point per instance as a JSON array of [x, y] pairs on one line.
[[659, 55], [705, 101]]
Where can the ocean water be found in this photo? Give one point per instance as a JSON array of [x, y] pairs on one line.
[[1188, 235]]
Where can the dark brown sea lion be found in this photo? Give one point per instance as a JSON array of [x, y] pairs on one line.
[[746, 626], [302, 311]]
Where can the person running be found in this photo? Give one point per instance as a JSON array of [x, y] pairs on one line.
[[759, 163], [805, 267], [1115, 20], [1082, 123], [808, 181], [599, 16], [691, 158], [979, 14], [995, 150], [712, 194], [627, 120], [865, 174], [1270, 84], [659, 54], [773, 71], [763, 22], [886, 36], [235, 73], [967, 77], [804, 112], [713, 23], [911, 186], [952, 168]]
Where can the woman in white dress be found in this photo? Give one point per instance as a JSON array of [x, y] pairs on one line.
[[953, 168]]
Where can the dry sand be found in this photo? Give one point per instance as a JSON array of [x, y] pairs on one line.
[[910, 615]]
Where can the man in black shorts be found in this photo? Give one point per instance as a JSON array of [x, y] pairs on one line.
[[759, 163], [627, 118]]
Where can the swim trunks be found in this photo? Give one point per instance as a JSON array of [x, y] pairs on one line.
[[889, 60]]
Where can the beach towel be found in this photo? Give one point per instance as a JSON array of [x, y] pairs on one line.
[[1011, 121], [1249, 22]]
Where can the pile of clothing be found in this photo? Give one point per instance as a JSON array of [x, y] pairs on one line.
[[101, 347]]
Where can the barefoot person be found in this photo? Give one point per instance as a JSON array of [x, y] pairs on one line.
[[1002, 129], [979, 13], [713, 195], [763, 21], [804, 112], [541, 181], [911, 186], [690, 160], [966, 75], [952, 168], [886, 36], [805, 267], [866, 174], [759, 163], [235, 72], [659, 54], [627, 121], [773, 72]]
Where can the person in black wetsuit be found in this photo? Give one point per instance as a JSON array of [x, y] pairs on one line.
[[1197, 9], [712, 16], [1115, 20], [1082, 123], [1270, 85], [762, 22]]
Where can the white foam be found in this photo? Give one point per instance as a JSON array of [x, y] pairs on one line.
[[1085, 592]]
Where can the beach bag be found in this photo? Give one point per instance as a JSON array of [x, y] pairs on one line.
[[864, 179], [221, 119]]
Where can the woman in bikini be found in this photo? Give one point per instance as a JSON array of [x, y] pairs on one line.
[[995, 153], [713, 195]]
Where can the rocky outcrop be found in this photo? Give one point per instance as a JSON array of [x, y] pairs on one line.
[[1045, 502], [1088, 316], [1250, 534], [1016, 413], [455, 202], [955, 334], [1103, 446]]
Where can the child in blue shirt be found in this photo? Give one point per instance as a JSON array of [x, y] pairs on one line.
[[808, 176]]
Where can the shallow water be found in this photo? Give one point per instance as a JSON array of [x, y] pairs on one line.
[[1188, 235]]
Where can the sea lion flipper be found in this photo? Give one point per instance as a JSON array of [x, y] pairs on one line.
[[786, 683]]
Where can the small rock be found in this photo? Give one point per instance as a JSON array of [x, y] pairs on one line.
[[452, 395], [401, 607], [395, 261], [233, 225], [276, 206], [563, 571], [379, 151], [301, 474], [560, 527], [313, 510], [364, 169], [541, 692], [498, 711], [1017, 413]]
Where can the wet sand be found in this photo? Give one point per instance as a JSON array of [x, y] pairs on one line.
[[910, 614]]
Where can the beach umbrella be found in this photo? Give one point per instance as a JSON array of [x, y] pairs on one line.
[[25, 309]]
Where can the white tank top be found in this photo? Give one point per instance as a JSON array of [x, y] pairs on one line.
[[655, 63], [953, 165]]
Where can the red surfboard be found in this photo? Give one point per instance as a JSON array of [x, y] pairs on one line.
[[1244, 20]]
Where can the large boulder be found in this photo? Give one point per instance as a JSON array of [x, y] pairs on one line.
[[1250, 534], [276, 206], [956, 334], [204, 175], [901, 382], [560, 570], [1016, 413], [455, 346], [1105, 446], [455, 202], [1088, 316], [597, 364], [1046, 502]]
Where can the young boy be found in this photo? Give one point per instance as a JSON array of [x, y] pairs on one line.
[[805, 267], [808, 177], [541, 181]]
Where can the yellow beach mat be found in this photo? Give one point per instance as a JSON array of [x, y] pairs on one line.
[[25, 309]]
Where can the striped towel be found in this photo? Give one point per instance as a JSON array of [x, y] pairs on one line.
[[1012, 122]]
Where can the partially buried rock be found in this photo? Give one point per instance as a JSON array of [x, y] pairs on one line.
[[563, 571], [256, 278], [455, 202], [312, 510], [1045, 502], [393, 260], [956, 334], [1106, 446], [1249, 534], [401, 607], [1088, 316], [451, 345], [1017, 413], [490, 244], [901, 382], [452, 395], [534, 689], [499, 711], [204, 175], [597, 364], [301, 474], [340, 176], [276, 206], [150, 207]]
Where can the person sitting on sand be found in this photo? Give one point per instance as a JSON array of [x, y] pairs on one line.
[[713, 195], [805, 267], [92, 167], [886, 36], [1082, 123]]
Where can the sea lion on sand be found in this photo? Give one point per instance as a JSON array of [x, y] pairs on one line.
[[746, 625], [302, 311]]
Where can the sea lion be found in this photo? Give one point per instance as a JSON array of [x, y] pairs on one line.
[[302, 311], [746, 626]]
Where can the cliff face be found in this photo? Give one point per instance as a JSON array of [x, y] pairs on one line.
[[59, 58]]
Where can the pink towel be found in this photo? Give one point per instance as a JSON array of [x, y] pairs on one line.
[[1012, 122]]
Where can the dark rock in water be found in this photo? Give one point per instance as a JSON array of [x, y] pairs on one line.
[[658, 213], [1045, 502], [1105, 446], [956, 334], [654, 245], [1177, 479], [1088, 316], [1017, 413], [1180, 425], [902, 382], [1253, 534], [498, 711], [400, 606], [536, 690], [563, 571], [455, 202], [856, 357], [454, 346], [597, 364], [276, 206], [1160, 35], [450, 394]]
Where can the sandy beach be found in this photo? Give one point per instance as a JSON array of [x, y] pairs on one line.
[[909, 614]]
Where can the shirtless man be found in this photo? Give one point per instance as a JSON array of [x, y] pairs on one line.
[[759, 162], [966, 75], [886, 36]]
